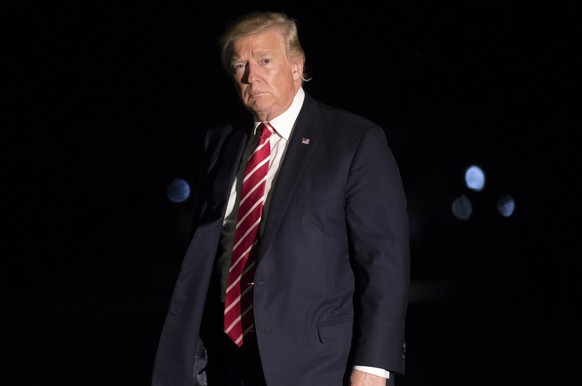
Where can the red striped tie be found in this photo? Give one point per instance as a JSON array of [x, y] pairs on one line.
[[238, 306]]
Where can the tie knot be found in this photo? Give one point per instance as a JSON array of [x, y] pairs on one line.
[[265, 130]]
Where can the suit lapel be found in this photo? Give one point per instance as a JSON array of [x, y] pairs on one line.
[[226, 163], [302, 145]]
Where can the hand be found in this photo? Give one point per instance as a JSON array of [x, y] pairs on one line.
[[360, 378]]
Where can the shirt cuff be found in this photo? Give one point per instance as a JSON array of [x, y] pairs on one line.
[[374, 370]]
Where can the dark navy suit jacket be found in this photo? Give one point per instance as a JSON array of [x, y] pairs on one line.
[[332, 280]]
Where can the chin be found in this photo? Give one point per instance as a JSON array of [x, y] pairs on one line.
[[258, 107]]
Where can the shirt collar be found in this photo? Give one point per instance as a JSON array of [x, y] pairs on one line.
[[284, 123]]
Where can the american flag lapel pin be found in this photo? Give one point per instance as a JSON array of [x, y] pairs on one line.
[[305, 141]]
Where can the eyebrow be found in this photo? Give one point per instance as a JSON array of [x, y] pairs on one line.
[[256, 54]]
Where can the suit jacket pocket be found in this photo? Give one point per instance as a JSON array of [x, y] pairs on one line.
[[337, 329], [318, 196]]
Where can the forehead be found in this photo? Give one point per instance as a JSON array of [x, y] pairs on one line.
[[268, 41]]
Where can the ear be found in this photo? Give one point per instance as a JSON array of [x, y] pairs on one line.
[[297, 69]]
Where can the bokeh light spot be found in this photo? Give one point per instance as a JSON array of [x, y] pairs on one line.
[[505, 205], [475, 178], [462, 207], [178, 190]]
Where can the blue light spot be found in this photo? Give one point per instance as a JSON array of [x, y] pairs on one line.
[[505, 205], [462, 207], [475, 178], [178, 190]]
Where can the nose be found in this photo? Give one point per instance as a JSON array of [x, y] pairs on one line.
[[251, 74]]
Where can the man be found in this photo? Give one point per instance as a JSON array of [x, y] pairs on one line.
[[327, 273]]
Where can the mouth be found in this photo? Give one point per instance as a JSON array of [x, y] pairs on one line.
[[256, 94]]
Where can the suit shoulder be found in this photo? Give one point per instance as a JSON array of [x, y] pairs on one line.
[[344, 120], [219, 133]]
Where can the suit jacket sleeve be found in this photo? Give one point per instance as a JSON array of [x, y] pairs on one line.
[[376, 215]]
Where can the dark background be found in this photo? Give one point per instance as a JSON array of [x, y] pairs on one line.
[[104, 103]]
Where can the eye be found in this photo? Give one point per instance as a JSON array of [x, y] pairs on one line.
[[266, 60], [238, 67]]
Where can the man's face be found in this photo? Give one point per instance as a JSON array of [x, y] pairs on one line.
[[265, 78]]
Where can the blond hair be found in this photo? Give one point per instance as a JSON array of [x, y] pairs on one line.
[[254, 23]]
